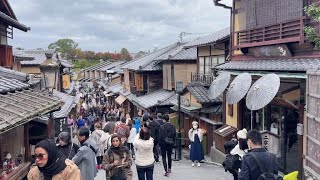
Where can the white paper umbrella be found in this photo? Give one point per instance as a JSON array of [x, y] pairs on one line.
[[263, 91], [238, 88], [219, 85]]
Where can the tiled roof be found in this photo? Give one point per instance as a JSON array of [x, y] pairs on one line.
[[19, 108], [271, 65], [97, 66], [8, 73], [115, 88], [39, 56], [155, 98], [12, 22], [179, 53], [201, 94], [11, 85], [67, 106], [142, 62], [112, 65], [210, 39]]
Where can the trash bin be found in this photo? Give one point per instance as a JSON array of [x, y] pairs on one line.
[[222, 135]]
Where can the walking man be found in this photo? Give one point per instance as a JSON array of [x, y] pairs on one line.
[[85, 158], [167, 137], [258, 162]]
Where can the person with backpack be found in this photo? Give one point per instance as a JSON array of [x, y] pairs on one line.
[[66, 147], [235, 150], [154, 127], [106, 136], [167, 135], [85, 158], [123, 130], [117, 160], [196, 149], [96, 136], [258, 164]]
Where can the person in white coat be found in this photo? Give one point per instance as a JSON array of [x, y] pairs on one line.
[[143, 144], [133, 133]]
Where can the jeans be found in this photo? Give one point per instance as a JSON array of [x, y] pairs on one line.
[[145, 172], [166, 151], [131, 148]]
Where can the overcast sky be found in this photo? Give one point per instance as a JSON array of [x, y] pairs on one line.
[[109, 25]]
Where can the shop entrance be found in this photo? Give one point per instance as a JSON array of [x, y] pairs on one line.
[[282, 122]]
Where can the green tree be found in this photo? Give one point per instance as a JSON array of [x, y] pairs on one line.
[[312, 36], [67, 47], [140, 54], [124, 52]]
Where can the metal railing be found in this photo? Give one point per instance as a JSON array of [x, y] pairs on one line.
[[201, 78]]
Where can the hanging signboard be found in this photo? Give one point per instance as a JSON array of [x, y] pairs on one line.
[[60, 125], [279, 50]]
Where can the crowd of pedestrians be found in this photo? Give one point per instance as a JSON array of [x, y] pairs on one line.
[[109, 139]]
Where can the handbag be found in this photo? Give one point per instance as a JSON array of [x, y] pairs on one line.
[[169, 141], [118, 174]]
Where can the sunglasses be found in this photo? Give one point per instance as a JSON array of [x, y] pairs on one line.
[[39, 156]]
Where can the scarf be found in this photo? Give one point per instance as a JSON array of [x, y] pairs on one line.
[[120, 150], [56, 161]]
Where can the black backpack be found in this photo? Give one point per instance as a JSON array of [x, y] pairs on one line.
[[266, 174]]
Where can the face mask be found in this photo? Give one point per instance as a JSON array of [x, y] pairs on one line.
[[195, 127]]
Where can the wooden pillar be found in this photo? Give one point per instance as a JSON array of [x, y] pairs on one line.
[[27, 153], [50, 126], [301, 117]]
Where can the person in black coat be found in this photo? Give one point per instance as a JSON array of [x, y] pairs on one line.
[[249, 167], [154, 127], [167, 136], [66, 147]]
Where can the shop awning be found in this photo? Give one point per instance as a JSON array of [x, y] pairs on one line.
[[120, 99], [156, 98], [69, 103], [19, 108]]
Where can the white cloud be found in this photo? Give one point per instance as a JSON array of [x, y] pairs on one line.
[[109, 25]]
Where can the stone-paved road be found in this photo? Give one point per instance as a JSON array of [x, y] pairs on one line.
[[182, 170]]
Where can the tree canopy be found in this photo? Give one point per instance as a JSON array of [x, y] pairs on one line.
[[67, 47], [312, 36]]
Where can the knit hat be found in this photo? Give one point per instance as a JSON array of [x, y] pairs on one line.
[[195, 123], [242, 133]]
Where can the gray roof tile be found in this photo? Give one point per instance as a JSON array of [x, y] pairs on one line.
[[66, 107], [112, 65], [272, 65], [155, 98], [144, 61], [19, 108], [212, 38], [11, 85], [201, 94], [8, 73]]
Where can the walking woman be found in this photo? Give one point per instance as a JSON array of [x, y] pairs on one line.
[[96, 136], [51, 164], [196, 150], [117, 160], [143, 144], [106, 137]]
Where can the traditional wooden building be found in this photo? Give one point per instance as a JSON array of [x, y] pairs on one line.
[[8, 21], [19, 106], [269, 38]]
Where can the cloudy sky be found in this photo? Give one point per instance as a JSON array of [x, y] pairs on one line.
[[109, 25]]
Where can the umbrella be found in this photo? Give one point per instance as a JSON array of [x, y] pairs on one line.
[[263, 91], [219, 85], [238, 88]]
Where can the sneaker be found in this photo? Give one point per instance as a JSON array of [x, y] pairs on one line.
[[166, 174], [192, 164], [169, 170], [198, 164]]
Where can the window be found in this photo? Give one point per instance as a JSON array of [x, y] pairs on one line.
[[201, 65], [172, 72], [206, 63]]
